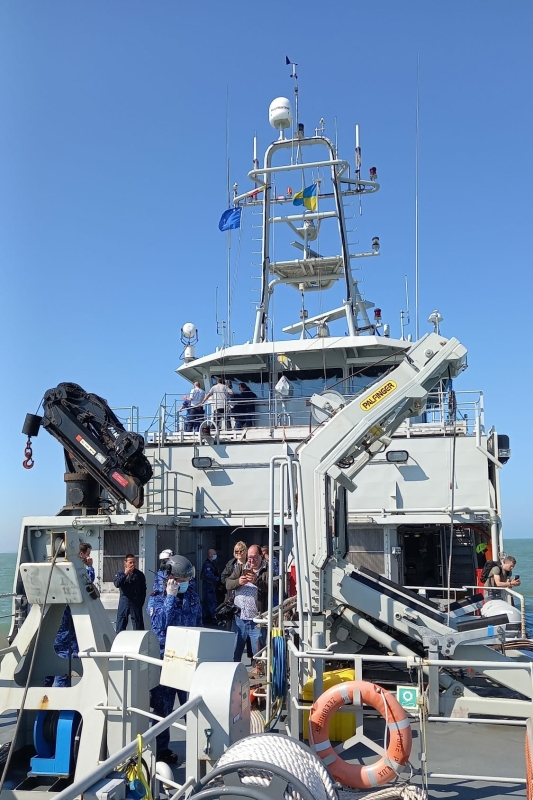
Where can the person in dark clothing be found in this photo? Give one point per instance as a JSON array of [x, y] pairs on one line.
[[240, 551], [244, 407], [132, 585], [239, 557], [190, 414], [210, 576]]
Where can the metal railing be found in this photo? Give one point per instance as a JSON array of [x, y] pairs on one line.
[[441, 593], [315, 660], [102, 770], [170, 425]]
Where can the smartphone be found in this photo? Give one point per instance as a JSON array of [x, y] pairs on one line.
[[517, 577]]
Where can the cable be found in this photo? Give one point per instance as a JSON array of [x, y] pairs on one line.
[[136, 769], [30, 671], [452, 404]]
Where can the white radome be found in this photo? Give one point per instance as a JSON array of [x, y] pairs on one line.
[[189, 330], [280, 113]]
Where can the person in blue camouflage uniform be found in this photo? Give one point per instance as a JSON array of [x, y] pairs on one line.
[[65, 643], [178, 605], [210, 576]]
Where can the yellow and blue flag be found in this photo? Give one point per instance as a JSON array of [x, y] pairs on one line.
[[307, 197], [230, 219]]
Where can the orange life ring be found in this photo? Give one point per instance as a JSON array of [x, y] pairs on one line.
[[399, 730]]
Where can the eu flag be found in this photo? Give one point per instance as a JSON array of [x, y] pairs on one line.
[[230, 219], [307, 197]]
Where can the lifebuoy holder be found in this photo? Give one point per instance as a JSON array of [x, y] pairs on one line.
[[399, 732]]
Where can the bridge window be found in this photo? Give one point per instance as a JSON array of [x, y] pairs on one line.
[[306, 382], [256, 381], [361, 377]]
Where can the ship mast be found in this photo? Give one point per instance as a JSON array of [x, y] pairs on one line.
[[326, 183]]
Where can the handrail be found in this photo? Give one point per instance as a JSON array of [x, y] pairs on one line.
[[102, 770], [410, 661], [455, 589], [278, 412]]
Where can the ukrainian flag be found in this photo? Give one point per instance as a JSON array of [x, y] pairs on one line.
[[307, 197]]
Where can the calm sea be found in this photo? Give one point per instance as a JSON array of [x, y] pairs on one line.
[[521, 549]]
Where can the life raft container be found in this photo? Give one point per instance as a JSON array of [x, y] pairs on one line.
[[398, 727]]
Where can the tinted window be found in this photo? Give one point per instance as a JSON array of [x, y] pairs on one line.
[[305, 382], [256, 381]]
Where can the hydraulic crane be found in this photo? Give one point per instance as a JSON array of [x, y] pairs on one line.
[[99, 452]]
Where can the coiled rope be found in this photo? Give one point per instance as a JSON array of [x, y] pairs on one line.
[[279, 665], [291, 755], [299, 760]]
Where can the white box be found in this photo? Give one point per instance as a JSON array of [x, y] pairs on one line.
[[64, 585], [186, 648], [107, 789]]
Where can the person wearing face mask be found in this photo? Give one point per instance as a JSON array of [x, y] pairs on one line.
[[210, 576], [179, 606]]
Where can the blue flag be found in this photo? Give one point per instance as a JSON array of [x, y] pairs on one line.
[[230, 219]]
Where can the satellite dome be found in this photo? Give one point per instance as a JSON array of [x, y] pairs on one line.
[[189, 330], [280, 113]]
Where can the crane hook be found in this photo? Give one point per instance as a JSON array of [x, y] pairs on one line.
[[28, 452]]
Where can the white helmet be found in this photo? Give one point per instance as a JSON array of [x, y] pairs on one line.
[[164, 554]]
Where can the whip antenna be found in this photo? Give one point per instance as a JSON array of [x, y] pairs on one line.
[[293, 66], [416, 195]]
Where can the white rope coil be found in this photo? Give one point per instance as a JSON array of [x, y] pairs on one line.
[[284, 752], [257, 722]]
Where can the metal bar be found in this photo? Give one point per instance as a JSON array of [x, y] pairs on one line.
[[135, 656], [485, 721], [488, 778], [188, 783], [255, 173], [155, 716], [80, 786], [415, 662]]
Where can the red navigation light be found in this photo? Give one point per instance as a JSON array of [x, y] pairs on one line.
[[373, 174], [377, 313]]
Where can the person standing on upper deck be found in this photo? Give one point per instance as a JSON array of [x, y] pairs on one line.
[[244, 408], [197, 397], [220, 395]]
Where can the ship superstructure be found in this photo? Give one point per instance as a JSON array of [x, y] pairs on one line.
[[403, 518]]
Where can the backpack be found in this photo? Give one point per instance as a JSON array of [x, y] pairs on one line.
[[487, 569]]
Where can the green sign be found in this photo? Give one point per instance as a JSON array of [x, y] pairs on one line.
[[407, 697]]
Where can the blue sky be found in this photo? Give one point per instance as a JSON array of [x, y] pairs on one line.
[[113, 178]]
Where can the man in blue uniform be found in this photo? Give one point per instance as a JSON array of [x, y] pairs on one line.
[[179, 605], [160, 578], [210, 581], [65, 643], [132, 585]]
